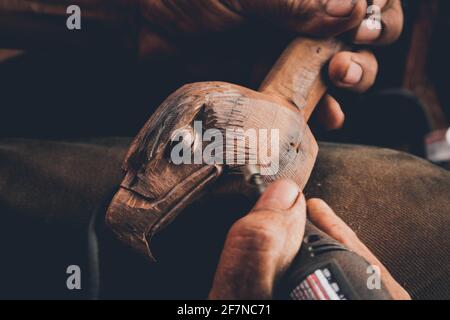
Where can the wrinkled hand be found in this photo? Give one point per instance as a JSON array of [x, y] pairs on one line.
[[261, 246], [166, 22]]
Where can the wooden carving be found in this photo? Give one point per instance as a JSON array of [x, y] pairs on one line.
[[155, 189]]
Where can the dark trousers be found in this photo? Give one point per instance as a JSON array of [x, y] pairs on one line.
[[399, 206]]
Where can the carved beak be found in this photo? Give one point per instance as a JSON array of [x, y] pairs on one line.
[[135, 218]]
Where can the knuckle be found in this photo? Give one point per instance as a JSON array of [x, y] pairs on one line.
[[360, 11], [339, 65], [251, 234]]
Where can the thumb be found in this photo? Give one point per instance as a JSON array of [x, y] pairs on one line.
[[261, 246], [280, 195]]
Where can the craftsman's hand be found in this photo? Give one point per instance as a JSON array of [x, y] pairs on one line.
[[262, 245], [166, 23]]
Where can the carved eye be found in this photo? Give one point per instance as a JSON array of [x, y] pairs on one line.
[[181, 139], [184, 135]]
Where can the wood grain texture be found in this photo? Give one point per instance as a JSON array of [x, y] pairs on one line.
[[155, 190], [296, 76]]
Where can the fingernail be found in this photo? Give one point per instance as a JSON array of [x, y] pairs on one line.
[[340, 8], [354, 74], [280, 195]]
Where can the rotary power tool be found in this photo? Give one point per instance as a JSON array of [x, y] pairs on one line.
[[324, 269]]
